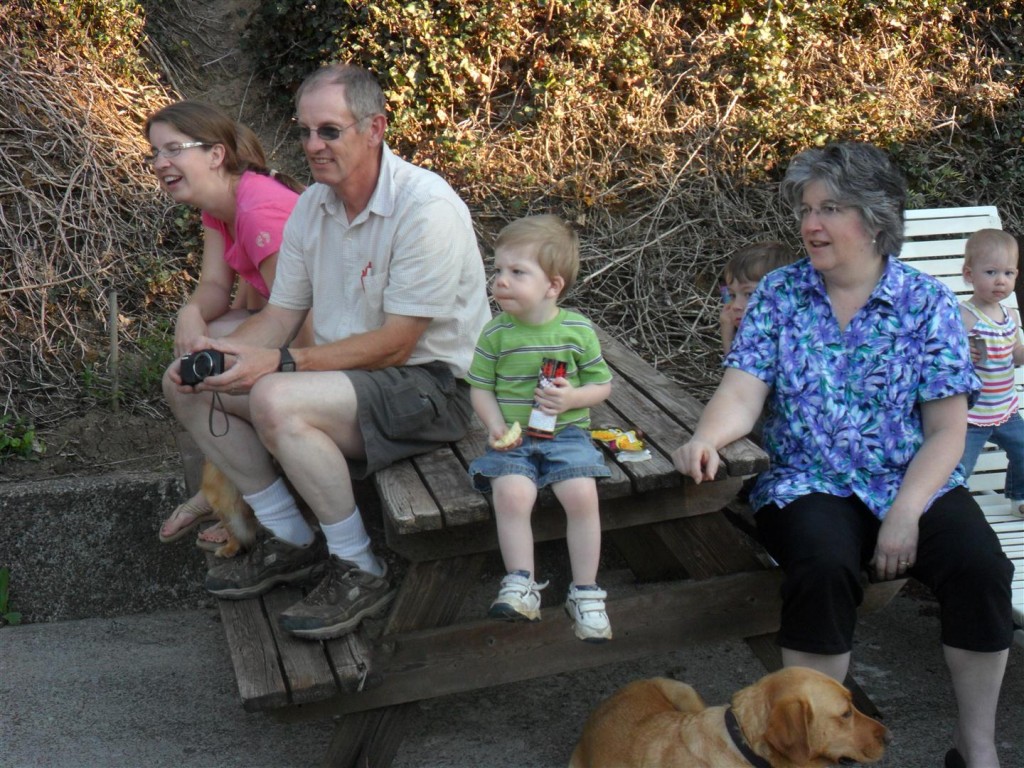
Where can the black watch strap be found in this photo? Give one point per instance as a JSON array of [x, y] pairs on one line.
[[287, 364]]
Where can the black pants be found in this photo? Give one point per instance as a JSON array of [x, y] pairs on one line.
[[824, 542]]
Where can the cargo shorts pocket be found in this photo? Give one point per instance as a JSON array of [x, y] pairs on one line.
[[409, 412]]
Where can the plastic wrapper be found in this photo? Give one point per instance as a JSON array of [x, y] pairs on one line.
[[626, 445]]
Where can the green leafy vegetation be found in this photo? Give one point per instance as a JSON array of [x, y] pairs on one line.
[[18, 440], [660, 128], [83, 221], [664, 128], [7, 616]]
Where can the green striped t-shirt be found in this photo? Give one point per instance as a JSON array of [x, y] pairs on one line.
[[508, 357]]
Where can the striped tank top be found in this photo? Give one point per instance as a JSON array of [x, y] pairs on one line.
[[998, 399]]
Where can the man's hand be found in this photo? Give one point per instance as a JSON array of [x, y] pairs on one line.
[[243, 367]]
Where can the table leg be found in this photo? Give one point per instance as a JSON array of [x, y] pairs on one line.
[[710, 545], [430, 595]]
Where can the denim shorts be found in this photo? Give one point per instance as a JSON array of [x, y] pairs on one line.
[[569, 454]]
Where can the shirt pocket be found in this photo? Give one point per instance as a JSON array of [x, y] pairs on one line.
[[373, 300]]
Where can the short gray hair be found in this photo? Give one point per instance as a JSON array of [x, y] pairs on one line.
[[858, 175], [363, 94]]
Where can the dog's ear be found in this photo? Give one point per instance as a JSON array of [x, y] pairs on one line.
[[788, 729]]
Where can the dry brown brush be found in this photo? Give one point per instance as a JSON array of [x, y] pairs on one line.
[[80, 223], [662, 129]]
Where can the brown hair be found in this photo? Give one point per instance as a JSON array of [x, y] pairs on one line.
[[202, 122], [752, 262], [556, 244], [986, 242]]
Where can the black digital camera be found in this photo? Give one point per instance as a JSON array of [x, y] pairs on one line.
[[198, 365]]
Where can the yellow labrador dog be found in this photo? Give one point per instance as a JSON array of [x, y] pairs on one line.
[[792, 718]]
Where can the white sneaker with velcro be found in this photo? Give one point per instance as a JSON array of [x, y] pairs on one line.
[[586, 609], [518, 599]]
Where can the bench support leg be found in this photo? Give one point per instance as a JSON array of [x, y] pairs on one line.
[[370, 739], [431, 595]]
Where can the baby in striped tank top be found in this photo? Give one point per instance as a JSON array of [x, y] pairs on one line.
[[997, 347]]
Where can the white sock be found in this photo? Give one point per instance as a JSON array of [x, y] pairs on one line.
[[348, 540], [276, 510]]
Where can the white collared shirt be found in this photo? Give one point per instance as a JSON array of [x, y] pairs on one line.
[[412, 251]]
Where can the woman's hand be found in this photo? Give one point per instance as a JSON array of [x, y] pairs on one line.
[[697, 459], [896, 547], [189, 330]]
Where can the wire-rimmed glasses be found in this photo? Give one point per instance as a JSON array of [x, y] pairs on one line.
[[324, 132], [172, 150]]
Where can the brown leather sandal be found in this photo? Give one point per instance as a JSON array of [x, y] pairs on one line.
[[186, 517]]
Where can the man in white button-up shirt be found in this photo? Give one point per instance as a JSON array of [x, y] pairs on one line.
[[384, 255]]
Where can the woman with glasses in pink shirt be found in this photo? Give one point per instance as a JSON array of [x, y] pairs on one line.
[[204, 159]]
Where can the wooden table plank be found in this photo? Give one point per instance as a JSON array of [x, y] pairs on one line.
[[351, 658], [449, 485], [474, 444], [657, 472], [307, 673], [406, 502], [253, 655], [742, 457], [549, 520]]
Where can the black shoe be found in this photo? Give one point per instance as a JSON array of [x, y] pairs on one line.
[[954, 759], [270, 562], [344, 597]]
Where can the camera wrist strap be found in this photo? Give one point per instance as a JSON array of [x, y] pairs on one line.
[[217, 405]]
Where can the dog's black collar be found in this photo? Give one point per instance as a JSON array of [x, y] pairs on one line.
[[733, 726]]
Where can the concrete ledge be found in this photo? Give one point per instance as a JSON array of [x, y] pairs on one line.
[[88, 547]]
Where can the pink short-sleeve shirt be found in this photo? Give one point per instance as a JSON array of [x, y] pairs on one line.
[[262, 206]]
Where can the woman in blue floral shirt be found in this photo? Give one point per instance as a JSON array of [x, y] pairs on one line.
[[864, 367]]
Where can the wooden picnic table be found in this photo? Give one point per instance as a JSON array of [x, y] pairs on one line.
[[700, 579]]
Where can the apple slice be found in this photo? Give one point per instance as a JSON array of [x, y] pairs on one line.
[[510, 437]]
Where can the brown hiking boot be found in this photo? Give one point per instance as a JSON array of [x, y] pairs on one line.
[[271, 561], [344, 597]]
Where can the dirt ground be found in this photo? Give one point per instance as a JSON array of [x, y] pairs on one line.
[[98, 443]]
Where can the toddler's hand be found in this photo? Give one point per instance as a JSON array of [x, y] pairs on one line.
[[504, 440], [556, 398], [976, 344]]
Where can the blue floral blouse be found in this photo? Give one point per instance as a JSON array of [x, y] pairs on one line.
[[844, 414]]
